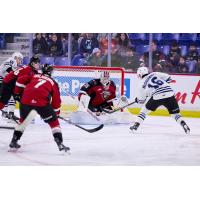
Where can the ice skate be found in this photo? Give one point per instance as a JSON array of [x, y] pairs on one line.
[[14, 146], [63, 148], [4, 115], [134, 127], [185, 127], [12, 118]]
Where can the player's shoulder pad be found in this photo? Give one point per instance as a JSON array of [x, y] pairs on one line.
[[94, 82], [10, 61]]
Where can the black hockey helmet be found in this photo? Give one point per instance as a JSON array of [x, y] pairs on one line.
[[34, 59], [47, 69]]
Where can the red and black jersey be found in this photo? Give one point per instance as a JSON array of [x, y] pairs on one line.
[[98, 93], [39, 90], [14, 75]]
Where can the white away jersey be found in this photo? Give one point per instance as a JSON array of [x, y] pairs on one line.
[[10, 63], [155, 84]]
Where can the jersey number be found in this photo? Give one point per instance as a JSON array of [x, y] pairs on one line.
[[41, 82], [16, 72], [155, 83]]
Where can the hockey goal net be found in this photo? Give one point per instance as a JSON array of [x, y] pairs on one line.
[[71, 78]]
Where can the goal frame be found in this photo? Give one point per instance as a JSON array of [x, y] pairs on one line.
[[121, 69]]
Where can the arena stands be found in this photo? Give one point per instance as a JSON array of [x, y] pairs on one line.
[[128, 49]]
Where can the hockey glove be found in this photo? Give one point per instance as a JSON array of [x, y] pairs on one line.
[[17, 97]]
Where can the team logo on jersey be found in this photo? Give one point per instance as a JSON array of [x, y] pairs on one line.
[[33, 101], [106, 94]]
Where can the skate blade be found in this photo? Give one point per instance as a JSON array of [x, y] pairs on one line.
[[13, 150], [66, 153], [132, 131], [187, 132]]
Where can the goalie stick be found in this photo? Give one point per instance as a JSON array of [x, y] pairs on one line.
[[113, 111], [85, 129]]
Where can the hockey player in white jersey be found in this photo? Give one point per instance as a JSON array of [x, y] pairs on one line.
[[9, 65], [155, 90]]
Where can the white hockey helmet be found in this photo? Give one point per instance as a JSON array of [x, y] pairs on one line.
[[105, 78], [142, 71], [17, 55]]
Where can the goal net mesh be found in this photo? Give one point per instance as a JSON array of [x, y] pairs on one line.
[[71, 78]]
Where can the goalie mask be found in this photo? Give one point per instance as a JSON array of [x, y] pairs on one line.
[[105, 78], [142, 71]]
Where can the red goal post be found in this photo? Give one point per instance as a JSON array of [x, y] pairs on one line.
[[71, 78]]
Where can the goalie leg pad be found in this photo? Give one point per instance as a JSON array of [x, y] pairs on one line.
[[83, 103]]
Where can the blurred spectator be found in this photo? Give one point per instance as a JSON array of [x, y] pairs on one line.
[[87, 44], [130, 61], [55, 46], [174, 53], [123, 43], [81, 36], [39, 45], [115, 59], [9, 37], [95, 58], [197, 66], [104, 44], [74, 44], [158, 68], [192, 53], [182, 67], [157, 56]]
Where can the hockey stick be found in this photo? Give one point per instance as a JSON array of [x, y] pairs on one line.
[[85, 129], [7, 127], [113, 111]]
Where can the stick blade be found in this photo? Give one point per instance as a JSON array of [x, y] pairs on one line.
[[96, 129]]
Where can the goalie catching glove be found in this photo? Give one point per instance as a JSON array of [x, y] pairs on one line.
[[122, 101]]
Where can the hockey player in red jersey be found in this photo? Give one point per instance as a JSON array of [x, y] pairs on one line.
[[101, 92], [40, 93], [10, 79]]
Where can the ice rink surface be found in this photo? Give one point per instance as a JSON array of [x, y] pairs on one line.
[[159, 141]]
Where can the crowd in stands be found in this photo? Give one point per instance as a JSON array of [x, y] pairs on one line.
[[91, 49], [171, 53]]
